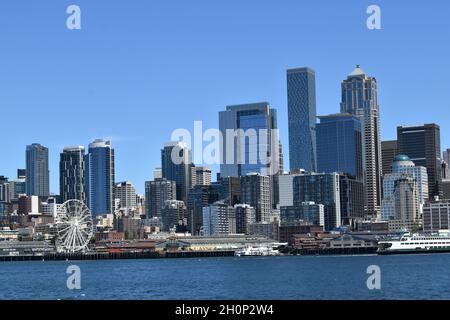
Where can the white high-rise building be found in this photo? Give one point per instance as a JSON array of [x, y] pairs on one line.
[[201, 176], [219, 219], [126, 192], [402, 168]]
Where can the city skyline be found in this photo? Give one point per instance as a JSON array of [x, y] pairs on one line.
[[37, 80], [216, 168]]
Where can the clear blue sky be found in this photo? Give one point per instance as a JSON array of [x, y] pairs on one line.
[[139, 69]]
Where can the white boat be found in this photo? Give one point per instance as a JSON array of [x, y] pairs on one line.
[[417, 243], [257, 251]]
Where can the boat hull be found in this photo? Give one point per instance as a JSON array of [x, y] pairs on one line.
[[413, 251]]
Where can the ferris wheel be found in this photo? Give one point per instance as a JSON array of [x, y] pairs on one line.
[[74, 226]]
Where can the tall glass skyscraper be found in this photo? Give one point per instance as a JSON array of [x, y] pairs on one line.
[[176, 164], [301, 90], [100, 176], [37, 182], [250, 141], [359, 98], [72, 174], [339, 147]]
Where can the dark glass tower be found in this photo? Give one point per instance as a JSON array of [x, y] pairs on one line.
[[255, 191], [37, 183], [339, 147], [72, 174], [99, 177], [176, 164], [301, 90], [422, 144], [389, 150]]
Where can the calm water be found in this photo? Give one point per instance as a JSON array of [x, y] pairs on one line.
[[340, 277]]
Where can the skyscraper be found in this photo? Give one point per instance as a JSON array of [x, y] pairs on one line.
[[157, 192], [322, 189], [359, 97], [126, 193], [5, 194], [37, 182], [100, 176], [218, 219], [174, 215], [389, 150], [446, 158], [229, 190], [422, 144], [201, 176], [176, 164], [352, 198], [339, 147], [200, 196], [255, 191], [403, 167], [301, 91], [249, 140], [72, 174], [245, 215]]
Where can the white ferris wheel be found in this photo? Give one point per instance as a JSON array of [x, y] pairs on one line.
[[75, 227]]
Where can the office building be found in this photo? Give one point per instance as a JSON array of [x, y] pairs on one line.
[[37, 181], [422, 144], [351, 199], [320, 188], [126, 193], [219, 219], [174, 216], [301, 97], [285, 186], [5, 193], [406, 196], [200, 176], [200, 196], [339, 145], [176, 164], [245, 215], [255, 191], [389, 150], [359, 98], [403, 166], [29, 205], [446, 158], [229, 189], [100, 177], [307, 211], [250, 140], [436, 216], [157, 173], [444, 170], [157, 192], [446, 189], [72, 174]]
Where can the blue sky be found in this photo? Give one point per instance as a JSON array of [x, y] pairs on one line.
[[139, 69]]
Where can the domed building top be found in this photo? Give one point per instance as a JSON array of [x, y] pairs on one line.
[[402, 157], [402, 160]]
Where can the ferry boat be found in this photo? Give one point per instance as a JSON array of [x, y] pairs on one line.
[[251, 251], [417, 243]]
